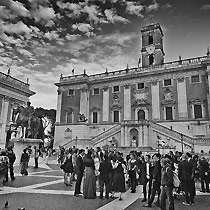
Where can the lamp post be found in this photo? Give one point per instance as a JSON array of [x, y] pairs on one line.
[[76, 141], [158, 144], [182, 142]]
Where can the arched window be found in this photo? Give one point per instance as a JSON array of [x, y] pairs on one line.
[[150, 39], [141, 115], [151, 59]]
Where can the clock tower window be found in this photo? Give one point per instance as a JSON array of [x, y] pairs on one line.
[[151, 59], [150, 39]]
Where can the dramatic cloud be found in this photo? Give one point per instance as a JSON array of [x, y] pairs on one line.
[[112, 17], [16, 7], [43, 13], [134, 9], [205, 7], [17, 28], [153, 7]]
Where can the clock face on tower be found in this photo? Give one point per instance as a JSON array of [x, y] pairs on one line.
[[150, 49]]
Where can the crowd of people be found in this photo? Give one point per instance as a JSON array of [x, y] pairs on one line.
[[111, 172]]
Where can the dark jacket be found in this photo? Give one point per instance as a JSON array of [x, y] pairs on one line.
[[157, 171], [185, 170], [12, 157], [203, 168], [79, 165], [68, 166], [24, 158], [105, 169], [167, 176], [143, 174]]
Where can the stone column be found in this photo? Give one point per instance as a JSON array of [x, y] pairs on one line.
[[59, 101], [182, 98], [122, 136], [208, 89], [105, 104], [143, 142], [4, 115], [127, 142], [140, 136], [155, 100], [146, 135], [127, 102]]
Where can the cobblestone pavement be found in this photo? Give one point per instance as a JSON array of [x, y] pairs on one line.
[[43, 189]]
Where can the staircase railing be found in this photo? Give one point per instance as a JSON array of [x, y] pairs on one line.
[[174, 134], [105, 134]]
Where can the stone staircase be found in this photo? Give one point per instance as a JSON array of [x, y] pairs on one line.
[[105, 135], [172, 134], [154, 127]]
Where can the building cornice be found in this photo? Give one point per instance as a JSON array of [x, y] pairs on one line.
[[176, 68]]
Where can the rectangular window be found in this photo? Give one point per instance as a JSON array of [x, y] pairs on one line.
[[71, 92], [140, 85], [95, 117], [69, 117], [195, 79], [197, 111], [169, 113], [116, 116], [167, 82], [116, 88], [96, 91]]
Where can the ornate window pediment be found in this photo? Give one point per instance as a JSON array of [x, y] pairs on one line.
[[140, 97], [116, 102], [168, 97], [196, 101], [95, 109]]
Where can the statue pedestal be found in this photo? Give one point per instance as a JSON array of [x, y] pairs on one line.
[[22, 143]]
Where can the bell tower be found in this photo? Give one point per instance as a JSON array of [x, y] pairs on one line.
[[152, 45]]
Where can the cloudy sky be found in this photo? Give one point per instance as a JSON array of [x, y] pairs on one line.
[[40, 39]]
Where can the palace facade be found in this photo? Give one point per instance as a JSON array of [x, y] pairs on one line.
[[13, 92], [153, 106]]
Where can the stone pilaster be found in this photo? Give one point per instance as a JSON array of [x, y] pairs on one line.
[[5, 107], [155, 100], [140, 136], [105, 104], [59, 101], [127, 102], [84, 105], [208, 89], [127, 142], [182, 98], [122, 135]]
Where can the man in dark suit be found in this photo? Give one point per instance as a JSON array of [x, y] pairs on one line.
[[185, 173], [105, 170], [79, 172], [146, 172], [156, 180], [203, 172]]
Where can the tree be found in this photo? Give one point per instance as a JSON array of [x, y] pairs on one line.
[[48, 118]]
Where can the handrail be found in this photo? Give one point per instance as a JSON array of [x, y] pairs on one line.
[[173, 133], [104, 133]]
